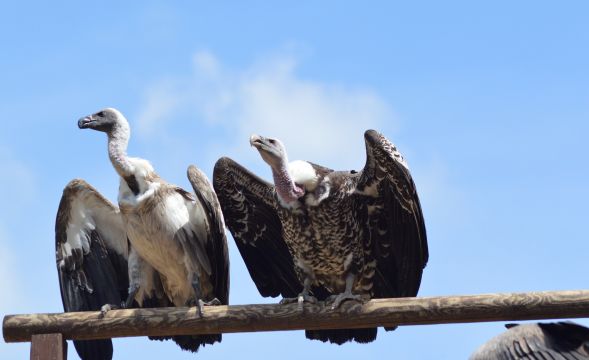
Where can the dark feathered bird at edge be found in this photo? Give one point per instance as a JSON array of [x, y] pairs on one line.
[[564, 340]]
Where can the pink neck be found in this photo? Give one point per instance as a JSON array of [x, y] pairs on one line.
[[285, 186]]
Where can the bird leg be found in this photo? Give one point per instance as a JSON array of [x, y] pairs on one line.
[[346, 295], [198, 301], [133, 290], [303, 296], [197, 294], [136, 268]]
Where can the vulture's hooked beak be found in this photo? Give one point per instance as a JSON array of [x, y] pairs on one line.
[[256, 141], [86, 122]]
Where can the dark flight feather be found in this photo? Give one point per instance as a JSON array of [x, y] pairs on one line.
[[398, 240], [216, 246], [88, 281], [251, 216]]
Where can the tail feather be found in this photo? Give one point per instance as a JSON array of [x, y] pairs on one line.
[[341, 336], [190, 342], [193, 342], [159, 338], [94, 349]]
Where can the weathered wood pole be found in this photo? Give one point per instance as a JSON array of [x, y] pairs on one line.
[[48, 347], [273, 317]]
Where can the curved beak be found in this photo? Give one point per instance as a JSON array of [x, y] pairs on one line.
[[86, 122], [257, 141]]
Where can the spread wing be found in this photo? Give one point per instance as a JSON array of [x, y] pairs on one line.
[[249, 205], [216, 245], [91, 252], [397, 239], [560, 340]]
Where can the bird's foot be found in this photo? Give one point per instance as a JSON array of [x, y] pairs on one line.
[[214, 302], [108, 307], [200, 304], [340, 298], [285, 301], [133, 290], [299, 299]]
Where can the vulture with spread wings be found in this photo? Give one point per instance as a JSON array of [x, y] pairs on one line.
[[318, 234], [162, 246]]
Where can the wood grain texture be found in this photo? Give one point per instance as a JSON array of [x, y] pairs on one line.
[[271, 317], [48, 347]]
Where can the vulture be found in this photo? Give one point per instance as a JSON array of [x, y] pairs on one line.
[[559, 340], [318, 234], [162, 245]]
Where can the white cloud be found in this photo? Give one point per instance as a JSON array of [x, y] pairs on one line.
[[317, 121], [161, 101]]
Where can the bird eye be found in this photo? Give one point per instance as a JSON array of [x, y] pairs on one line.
[[100, 114], [272, 141]]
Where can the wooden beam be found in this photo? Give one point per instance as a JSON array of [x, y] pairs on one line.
[[48, 347], [273, 317]]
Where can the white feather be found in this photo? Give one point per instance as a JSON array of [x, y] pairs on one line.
[[141, 170], [303, 173], [371, 190], [153, 237], [90, 212], [314, 201]]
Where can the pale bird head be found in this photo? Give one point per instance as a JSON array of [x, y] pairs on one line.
[[106, 120], [271, 150]]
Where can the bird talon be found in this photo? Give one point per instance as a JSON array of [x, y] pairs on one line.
[[106, 308], [302, 298], [214, 302], [338, 300], [300, 301], [285, 301], [200, 305]]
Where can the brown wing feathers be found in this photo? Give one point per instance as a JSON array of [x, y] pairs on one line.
[[249, 206], [216, 248], [398, 239], [92, 279]]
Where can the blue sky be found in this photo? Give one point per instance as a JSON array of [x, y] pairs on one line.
[[489, 102]]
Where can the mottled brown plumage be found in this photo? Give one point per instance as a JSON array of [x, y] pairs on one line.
[[348, 235]]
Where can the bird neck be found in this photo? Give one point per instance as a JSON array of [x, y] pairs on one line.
[[286, 188], [117, 150]]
